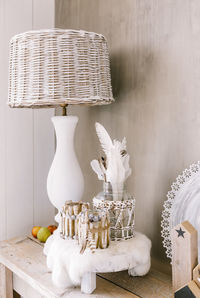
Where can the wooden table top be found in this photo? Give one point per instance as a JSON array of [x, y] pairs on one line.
[[25, 258]]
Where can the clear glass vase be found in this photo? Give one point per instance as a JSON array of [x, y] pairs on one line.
[[121, 207]]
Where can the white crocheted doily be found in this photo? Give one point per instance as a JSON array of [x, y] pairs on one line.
[[184, 183]]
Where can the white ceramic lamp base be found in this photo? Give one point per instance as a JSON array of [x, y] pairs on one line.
[[65, 179]]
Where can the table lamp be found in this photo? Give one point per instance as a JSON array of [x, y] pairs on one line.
[[50, 68]]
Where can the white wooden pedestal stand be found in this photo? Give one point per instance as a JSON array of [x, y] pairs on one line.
[[70, 268]]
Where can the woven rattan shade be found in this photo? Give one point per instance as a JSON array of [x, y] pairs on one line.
[[53, 67]]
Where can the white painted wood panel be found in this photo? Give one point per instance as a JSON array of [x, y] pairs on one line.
[[43, 131], [18, 130], [3, 91], [27, 138]]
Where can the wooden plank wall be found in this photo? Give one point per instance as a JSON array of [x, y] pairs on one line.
[[155, 59], [26, 136]]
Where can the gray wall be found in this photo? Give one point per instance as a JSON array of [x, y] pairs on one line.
[[155, 60]]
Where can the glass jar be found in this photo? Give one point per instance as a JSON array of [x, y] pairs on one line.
[[121, 208]]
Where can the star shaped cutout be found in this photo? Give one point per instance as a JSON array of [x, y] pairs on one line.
[[180, 232]]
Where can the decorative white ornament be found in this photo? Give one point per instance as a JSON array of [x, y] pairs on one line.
[[97, 169], [65, 180], [182, 204], [115, 169]]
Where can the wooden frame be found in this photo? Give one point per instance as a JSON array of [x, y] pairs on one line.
[[6, 285]]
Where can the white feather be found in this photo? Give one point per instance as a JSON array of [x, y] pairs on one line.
[[115, 172], [104, 138], [117, 161], [120, 145], [103, 169], [128, 170], [97, 169], [124, 142]]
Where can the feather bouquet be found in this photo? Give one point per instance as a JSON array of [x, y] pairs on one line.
[[114, 167]]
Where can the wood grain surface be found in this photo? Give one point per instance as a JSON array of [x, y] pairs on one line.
[[154, 285], [32, 279], [184, 254], [6, 289]]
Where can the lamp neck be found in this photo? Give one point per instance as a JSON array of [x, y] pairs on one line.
[[64, 109], [65, 129]]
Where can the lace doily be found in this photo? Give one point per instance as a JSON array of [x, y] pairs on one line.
[[107, 205], [166, 223]]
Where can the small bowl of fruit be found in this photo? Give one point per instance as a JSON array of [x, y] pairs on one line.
[[43, 233]]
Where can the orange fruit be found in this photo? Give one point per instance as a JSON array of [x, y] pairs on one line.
[[52, 228], [35, 230]]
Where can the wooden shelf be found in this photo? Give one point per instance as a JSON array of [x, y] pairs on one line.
[[154, 284], [31, 278]]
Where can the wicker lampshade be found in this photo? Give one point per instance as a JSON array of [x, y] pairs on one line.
[[57, 67]]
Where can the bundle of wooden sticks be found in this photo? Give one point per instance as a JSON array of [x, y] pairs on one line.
[[93, 230], [69, 218]]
